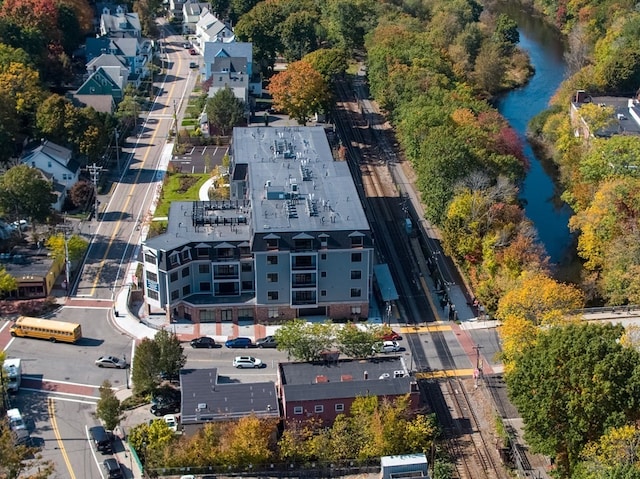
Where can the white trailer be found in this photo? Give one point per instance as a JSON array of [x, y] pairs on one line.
[[12, 374]]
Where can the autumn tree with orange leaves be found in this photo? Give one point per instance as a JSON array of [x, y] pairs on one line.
[[300, 91]]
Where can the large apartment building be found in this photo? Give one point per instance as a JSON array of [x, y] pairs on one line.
[[292, 241]]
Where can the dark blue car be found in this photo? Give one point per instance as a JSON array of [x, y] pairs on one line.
[[238, 343]]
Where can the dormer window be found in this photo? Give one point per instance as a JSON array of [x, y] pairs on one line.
[[357, 239]]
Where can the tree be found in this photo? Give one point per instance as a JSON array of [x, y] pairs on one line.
[[25, 193], [571, 385], [304, 341], [506, 32], [171, 353], [75, 246], [489, 67], [329, 62], [249, 442], [145, 369], [300, 91], [149, 441], [108, 407], [50, 118], [298, 34], [7, 282], [348, 21], [21, 461], [81, 193], [355, 342], [224, 110], [615, 454]]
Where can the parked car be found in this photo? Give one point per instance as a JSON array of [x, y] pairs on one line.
[[242, 362], [192, 51], [238, 343], [112, 468], [267, 342], [193, 65], [186, 45], [386, 347], [203, 342], [171, 421], [390, 335], [110, 362], [101, 439], [165, 401]]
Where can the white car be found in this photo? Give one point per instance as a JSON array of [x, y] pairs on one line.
[[387, 347], [111, 362], [171, 421], [246, 362]]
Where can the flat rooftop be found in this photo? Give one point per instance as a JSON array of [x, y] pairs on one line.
[[294, 182]]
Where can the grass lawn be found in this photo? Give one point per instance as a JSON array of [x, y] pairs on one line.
[[179, 187]]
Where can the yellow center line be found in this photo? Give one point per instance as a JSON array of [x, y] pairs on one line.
[[130, 194], [445, 373], [425, 329], [56, 432]]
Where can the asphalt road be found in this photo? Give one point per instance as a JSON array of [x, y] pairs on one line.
[[117, 228]]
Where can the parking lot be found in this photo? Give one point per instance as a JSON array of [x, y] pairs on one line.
[[199, 159]]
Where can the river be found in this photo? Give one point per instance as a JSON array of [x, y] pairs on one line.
[[539, 193]]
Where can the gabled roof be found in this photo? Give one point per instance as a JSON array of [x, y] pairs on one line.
[[233, 49], [49, 151], [229, 64], [107, 60], [101, 103], [120, 21], [105, 81]]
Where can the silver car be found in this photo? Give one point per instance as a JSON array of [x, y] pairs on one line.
[[111, 362], [246, 362]]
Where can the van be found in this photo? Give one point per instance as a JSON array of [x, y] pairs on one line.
[[15, 420], [101, 439]]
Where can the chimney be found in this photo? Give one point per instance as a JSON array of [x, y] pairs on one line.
[[366, 375]]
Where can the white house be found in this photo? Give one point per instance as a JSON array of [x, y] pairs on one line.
[[55, 162], [120, 23], [216, 52], [191, 12], [210, 29]]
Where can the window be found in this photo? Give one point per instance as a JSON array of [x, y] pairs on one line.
[[274, 313], [323, 274], [152, 276], [272, 259], [185, 272], [202, 252], [174, 276], [173, 259], [272, 243], [356, 257], [175, 295], [356, 241], [186, 255], [323, 292], [272, 295], [247, 286], [272, 277], [207, 315], [356, 274], [152, 294], [205, 286], [297, 410], [356, 309], [247, 267], [303, 244], [323, 256], [226, 315], [356, 292], [339, 407], [186, 290], [149, 258], [318, 408], [203, 268]]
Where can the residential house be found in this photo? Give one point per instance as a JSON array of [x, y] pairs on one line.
[[205, 400], [120, 23], [175, 9], [232, 73], [215, 51], [192, 10], [625, 119], [293, 241], [325, 390], [55, 161], [105, 81], [210, 29], [133, 53]]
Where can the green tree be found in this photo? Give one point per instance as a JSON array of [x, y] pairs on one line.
[[76, 246], [260, 27], [304, 341], [489, 68], [329, 62], [348, 21], [50, 118], [7, 282], [355, 342], [108, 407], [150, 440], [24, 192], [21, 461], [298, 34], [506, 32], [300, 91], [145, 368], [224, 110], [171, 353], [571, 385]]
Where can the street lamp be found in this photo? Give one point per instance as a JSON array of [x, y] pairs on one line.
[[126, 370]]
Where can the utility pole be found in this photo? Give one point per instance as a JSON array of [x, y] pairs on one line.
[[477, 374], [94, 172], [116, 135], [175, 121]]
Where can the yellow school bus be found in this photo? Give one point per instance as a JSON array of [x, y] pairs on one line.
[[50, 329]]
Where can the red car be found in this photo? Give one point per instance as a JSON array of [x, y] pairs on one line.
[[391, 335]]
